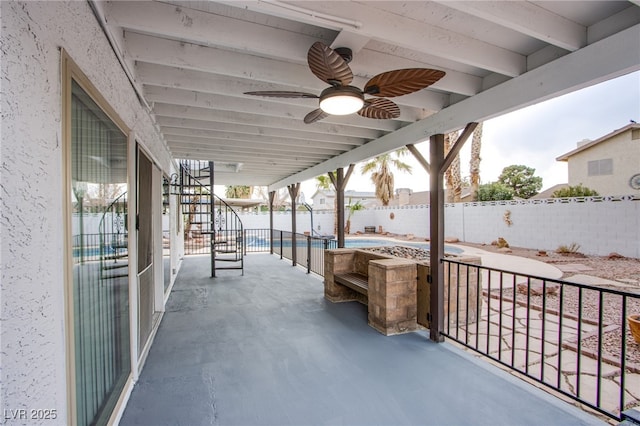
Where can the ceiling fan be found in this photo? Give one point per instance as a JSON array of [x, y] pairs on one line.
[[332, 67]]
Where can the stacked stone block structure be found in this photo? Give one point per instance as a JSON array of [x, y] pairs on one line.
[[398, 294]]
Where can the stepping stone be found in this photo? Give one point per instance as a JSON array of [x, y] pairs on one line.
[[591, 280], [536, 288], [573, 267]]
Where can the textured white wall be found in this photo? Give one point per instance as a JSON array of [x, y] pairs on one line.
[[600, 225], [33, 351]]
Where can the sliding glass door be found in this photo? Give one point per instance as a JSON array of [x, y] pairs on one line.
[[98, 162]]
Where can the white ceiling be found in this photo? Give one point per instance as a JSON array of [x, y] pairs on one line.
[[191, 61]]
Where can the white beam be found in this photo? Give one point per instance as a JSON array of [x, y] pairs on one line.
[[257, 106], [257, 141], [168, 110], [231, 146], [601, 61], [300, 137], [527, 18], [209, 29], [256, 73], [173, 77], [262, 155], [412, 34]]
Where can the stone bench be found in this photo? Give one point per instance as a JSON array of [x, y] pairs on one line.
[[396, 290], [386, 284]]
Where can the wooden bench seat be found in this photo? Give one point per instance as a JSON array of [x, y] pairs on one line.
[[354, 281]]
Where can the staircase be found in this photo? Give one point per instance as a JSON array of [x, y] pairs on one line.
[[114, 254], [209, 219]]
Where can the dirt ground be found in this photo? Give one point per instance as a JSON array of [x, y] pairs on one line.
[[612, 267]]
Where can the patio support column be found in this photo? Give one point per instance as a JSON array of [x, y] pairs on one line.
[[436, 231], [438, 165], [272, 196], [340, 183], [293, 193]]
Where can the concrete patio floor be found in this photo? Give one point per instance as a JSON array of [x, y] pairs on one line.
[[267, 349]]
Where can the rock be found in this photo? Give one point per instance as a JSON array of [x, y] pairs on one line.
[[410, 237], [494, 243], [615, 255], [451, 240], [502, 243], [505, 250], [536, 288], [542, 253]]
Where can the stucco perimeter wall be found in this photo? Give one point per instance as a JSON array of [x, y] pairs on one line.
[[33, 351], [600, 225], [322, 221]]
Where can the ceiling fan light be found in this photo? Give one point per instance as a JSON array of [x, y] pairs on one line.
[[341, 100]]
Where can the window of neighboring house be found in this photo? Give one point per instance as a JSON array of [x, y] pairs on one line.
[[600, 167], [322, 201]]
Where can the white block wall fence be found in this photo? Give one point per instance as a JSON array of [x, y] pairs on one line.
[[600, 225]]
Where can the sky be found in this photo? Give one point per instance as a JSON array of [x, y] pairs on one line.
[[533, 136]]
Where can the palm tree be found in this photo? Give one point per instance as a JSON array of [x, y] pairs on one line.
[[474, 162], [357, 206], [452, 174], [323, 182], [238, 191], [381, 174]]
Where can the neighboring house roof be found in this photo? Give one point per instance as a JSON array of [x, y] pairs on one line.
[[324, 193], [547, 193], [244, 202], [347, 194], [359, 194], [565, 157]]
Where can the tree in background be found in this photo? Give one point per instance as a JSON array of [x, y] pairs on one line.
[[452, 175], [474, 162], [494, 191], [238, 191], [521, 180], [381, 174], [574, 191], [323, 182], [353, 207]]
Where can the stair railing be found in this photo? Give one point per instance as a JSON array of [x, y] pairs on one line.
[[216, 219], [113, 236]]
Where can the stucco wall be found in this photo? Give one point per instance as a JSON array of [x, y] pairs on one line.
[[600, 225], [33, 352], [625, 153]]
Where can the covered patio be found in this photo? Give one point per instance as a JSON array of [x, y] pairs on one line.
[[268, 349]]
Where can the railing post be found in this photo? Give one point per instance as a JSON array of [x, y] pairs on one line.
[[281, 249], [308, 254]]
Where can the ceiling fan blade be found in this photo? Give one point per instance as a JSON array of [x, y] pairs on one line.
[[326, 64], [315, 115], [380, 108], [282, 94], [402, 82]]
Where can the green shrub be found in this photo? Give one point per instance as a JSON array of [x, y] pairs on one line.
[[574, 191], [495, 191], [572, 248]]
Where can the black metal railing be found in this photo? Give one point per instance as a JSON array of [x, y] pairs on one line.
[[309, 250], [257, 241], [573, 338]]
